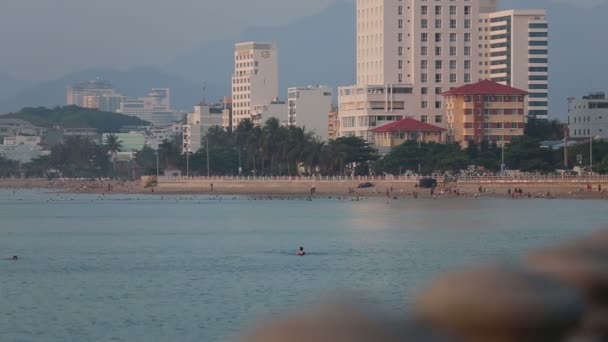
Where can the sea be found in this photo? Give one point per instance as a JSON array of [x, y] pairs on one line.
[[201, 268]]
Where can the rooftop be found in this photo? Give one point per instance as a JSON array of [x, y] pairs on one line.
[[485, 87], [408, 125]]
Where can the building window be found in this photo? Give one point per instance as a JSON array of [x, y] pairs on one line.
[[424, 118], [424, 104], [438, 118]]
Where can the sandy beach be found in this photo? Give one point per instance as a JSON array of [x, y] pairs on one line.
[[304, 188]]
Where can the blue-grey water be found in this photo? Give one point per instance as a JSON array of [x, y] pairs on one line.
[[151, 268]]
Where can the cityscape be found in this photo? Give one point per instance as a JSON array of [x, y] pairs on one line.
[[332, 170], [458, 73]]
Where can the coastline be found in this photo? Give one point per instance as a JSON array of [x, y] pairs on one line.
[[302, 188]]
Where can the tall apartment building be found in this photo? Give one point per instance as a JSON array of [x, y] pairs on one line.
[[588, 116], [255, 81], [308, 107], [411, 51], [513, 50], [85, 93], [419, 48]]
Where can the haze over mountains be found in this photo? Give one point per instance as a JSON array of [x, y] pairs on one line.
[[321, 50]]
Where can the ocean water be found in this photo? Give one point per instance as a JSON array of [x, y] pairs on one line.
[[194, 268]]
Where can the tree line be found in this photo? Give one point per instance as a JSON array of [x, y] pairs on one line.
[[275, 150]]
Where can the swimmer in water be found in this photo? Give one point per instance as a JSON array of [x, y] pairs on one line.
[[301, 251], [15, 258]]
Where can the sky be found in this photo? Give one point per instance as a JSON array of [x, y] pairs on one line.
[[46, 39]]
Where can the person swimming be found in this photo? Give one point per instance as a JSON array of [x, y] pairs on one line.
[[301, 251]]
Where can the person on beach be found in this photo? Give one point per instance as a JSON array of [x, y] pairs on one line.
[[301, 251]]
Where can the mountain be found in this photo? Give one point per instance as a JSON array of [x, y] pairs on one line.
[[76, 117], [133, 82], [319, 49], [9, 86]]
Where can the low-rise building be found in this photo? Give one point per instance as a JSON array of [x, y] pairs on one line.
[[276, 109], [396, 133], [485, 110], [130, 142], [308, 108], [588, 116], [363, 108]]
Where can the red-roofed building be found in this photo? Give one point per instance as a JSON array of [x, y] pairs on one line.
[[485, 110], [396, 133]]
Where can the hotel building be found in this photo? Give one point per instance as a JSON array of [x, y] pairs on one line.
[[514, 51], [485, 110], [409, 52], [255, 82], [85, 94], [588, 116]]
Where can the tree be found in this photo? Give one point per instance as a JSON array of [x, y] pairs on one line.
[[541, 129], [525, 154], [113, 144]]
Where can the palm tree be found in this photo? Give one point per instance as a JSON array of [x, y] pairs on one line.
[[113, 144]]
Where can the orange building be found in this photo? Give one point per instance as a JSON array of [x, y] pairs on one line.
[[485, 110]]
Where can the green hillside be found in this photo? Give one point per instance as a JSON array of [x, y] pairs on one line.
[[76, 117]]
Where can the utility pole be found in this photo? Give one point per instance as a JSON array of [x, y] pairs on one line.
[[566, 146], [157, 163], [208, 168], [591, 152], [188, 164]]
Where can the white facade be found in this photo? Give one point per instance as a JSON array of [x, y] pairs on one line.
[[363, 108], [515, 52], [197, 125], [255, 80], [430, 47], [308, 107], [588, 117]]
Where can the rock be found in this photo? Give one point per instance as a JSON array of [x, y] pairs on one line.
[[501, 303]]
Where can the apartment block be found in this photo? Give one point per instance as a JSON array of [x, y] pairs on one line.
[[308, 108], [513, 50], [255, 81], [588, 116], [428, 47], [485, 110]]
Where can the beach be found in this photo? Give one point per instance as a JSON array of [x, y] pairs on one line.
[[394, 189]]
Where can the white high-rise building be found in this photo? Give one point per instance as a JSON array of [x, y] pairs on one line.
[[409, 52], [514, 51], [308, 107], [255, 80], [588, 116]]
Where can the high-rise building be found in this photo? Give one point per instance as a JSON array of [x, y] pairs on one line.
[[588, 116], [409, 52], [514, 52], [308, 107], [255, 80], [77, 93], [155, 108]]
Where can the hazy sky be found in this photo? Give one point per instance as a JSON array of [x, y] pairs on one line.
[[43, 39]]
